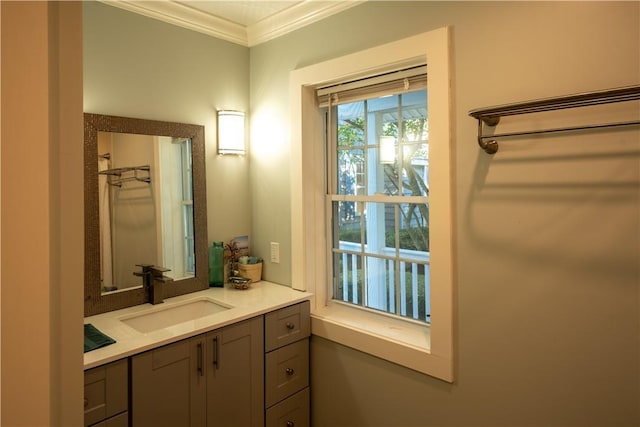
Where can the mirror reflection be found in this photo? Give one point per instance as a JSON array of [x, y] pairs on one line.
[[145, 204], [145, 207]]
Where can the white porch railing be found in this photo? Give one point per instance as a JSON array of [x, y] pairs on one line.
[[407, 298]]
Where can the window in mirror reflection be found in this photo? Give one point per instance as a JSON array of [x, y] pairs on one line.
[[146, 207]]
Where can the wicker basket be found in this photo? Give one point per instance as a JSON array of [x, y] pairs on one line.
[[251, 271]]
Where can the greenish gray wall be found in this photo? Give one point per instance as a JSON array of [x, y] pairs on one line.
[[139, 67], [547, 298], [547, 237]]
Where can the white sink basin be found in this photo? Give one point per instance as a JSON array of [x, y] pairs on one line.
[[165, 316]]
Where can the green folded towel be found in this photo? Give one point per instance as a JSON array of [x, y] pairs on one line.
[[93, 338]]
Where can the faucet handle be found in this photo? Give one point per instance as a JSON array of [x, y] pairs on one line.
[[158, 272], [146, 269]]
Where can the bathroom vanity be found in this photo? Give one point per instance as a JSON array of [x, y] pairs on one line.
[[218, 357], [184, 354]]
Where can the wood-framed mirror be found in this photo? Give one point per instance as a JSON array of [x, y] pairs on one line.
[[145, 203]]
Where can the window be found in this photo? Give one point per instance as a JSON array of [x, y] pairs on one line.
[[377, 195], [387, 178], [177, 217], [187, 206]]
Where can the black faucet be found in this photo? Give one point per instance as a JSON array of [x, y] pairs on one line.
[[153, 280]]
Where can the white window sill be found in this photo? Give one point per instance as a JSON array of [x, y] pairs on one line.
[[404, 343]]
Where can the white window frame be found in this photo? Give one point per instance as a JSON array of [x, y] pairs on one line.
[[424, 348]]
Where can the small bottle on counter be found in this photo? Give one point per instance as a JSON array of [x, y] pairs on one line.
[[216, 265]]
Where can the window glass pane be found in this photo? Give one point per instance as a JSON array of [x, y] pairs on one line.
[[414, 300], [414, 116], [415, 172], [347, 225], [187, 170], [381, 284], [379, 222], [351, 124], [382, 177], [347, 278], [415, 136], [414, 230], [351, 171], [382, 163], [382, 114], [190, 256]]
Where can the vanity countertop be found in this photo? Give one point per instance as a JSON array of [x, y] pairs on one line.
[[262, 297]]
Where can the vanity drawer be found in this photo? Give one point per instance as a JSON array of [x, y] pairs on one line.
[[292, 412], [287, 325], [105, 391], [286, 371]]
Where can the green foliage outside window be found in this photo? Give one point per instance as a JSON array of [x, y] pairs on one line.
[[408, 238]]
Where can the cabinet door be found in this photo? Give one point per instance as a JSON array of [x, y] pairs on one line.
[[105, 391], [168, 385], [235, 377]]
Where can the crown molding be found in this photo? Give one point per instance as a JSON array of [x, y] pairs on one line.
[[186, 17], [293, 18]]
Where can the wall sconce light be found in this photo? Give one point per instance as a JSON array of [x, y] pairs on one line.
[[230, 132], [387, 149]]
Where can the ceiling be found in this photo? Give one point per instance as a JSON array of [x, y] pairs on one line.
[[243, 22]]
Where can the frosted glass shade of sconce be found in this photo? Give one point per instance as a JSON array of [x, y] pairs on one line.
[[387, 149], [230, 132]]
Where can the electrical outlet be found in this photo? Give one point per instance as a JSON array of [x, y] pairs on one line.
[[275, 252]]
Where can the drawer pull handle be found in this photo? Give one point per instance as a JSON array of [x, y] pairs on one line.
[[86, 402], [290, 325], [290, 371], [290, 424]]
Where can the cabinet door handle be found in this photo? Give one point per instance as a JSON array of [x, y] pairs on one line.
[[290, 424], [200, 370], [216, 360], [290, 371], [290, 325]]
